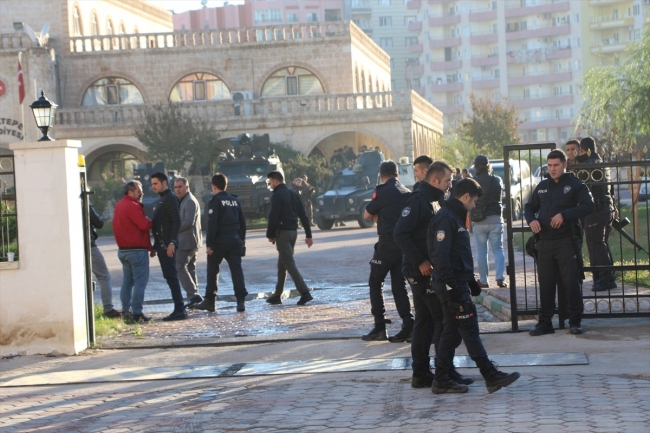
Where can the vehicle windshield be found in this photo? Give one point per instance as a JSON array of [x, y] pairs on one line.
[[244, 169], [498, 171], [341, 180]]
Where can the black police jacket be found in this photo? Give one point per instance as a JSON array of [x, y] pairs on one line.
[[595, 178], [410, 232], [450, 251], [225, 219], [166, 219], [569, 196], [286, 208], [96, 222], [492, 187], [386, 202]]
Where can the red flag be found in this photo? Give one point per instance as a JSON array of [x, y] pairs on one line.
[[21, 84]]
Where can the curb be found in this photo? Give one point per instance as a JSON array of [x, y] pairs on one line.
[[495, 305]]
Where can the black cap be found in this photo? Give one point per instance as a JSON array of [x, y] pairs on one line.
[[480, 160]]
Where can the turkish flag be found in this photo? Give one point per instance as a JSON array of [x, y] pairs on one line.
[[21, 84]]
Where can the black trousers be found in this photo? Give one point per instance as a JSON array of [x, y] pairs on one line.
[[427, 325], [168, 266], [460, 323], [230, 249], [598, 227], [388, 258], [557, 261]]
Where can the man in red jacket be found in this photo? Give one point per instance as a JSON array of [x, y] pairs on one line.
[[131, 229]]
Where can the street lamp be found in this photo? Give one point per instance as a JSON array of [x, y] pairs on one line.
[[43, 110]]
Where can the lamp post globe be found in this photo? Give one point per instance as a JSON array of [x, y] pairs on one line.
[[43, 110]]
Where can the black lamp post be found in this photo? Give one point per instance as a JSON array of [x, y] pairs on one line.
[[43, 110]]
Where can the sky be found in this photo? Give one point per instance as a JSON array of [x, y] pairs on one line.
[[188, 5]]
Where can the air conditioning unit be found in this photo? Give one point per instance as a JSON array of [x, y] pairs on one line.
[[242, 96]]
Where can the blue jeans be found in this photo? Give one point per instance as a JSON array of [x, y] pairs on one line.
[[135, 266], [494, 234]]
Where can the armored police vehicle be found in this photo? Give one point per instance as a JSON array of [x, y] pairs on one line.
[[351, 189], [246, 169]]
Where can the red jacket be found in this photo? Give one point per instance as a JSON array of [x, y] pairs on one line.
[[131, 226]]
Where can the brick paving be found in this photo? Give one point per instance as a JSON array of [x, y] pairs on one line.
[[386, 403]]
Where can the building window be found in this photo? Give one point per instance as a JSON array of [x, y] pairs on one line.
[[292, 17], [292, 81], [268, 16], [332, 14], [526, 93], [122, 29], [386, 42], [199, 87], [558, 90], [76, 22], [112, 91], [109, 28], [94, 25], [416, 83], [384, 2], [409, 19], [312, 17], [385, 21], [410, 40]]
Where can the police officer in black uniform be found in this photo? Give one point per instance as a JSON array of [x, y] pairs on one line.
[[553, 211], [225, 239], [598, 225], [450, 253], [410, 235], [385, 208]]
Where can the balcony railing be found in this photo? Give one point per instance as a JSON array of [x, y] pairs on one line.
[[264, 109], [208, 37], [14, 41]]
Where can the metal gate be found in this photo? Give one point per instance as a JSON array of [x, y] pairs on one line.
[[628, 241]]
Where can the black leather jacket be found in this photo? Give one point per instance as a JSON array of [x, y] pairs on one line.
[[166, 219]]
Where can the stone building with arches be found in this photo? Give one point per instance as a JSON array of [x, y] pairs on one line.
[[315, 87]]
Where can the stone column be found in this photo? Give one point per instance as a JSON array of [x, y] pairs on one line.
[[42, 302]]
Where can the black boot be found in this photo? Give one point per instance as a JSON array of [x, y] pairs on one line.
[[444, 384], [378, 333], [208, 304], [495, 379], [423, 382], [456, 377], [241, 307], [405, 333]]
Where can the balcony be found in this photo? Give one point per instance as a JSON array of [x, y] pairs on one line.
[[515, 34], [537, 56], [540, 78], [416, 48], [486, 83], [413, 4], [482, 15], [451, 109], [449, 87], [415, 26], [445, 65], [490, 60], [445, 42], [548, 8], [417, 70], [547, 122], [610, 22], [605, 2], [609, 46], [543, 101], [445, 20], [483, 38], [560, 53], [361, 7]]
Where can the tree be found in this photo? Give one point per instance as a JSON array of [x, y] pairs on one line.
[[617, 99], [490, 126], [457, 152], [174, 137], [295, 164]]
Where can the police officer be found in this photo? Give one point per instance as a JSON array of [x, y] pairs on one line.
[[225, 239], [410, 235], [558, 202], [450, 253], [598, 225], [385, 209]]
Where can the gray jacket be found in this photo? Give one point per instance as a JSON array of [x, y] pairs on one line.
[[189, 235]]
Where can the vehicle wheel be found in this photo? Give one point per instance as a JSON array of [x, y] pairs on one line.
[[324, 223], [516, 211], [363, 223]]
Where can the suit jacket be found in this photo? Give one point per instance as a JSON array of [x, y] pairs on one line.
[[189, 235]]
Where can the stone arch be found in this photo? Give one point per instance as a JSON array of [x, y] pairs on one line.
[[112, 158], [289, 68], [326, 143], [226, 92], [370, 89], [314, 70], [82, 89], [363, 81], [95, 29], [77, 20], [356, 79], [171, 82]]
